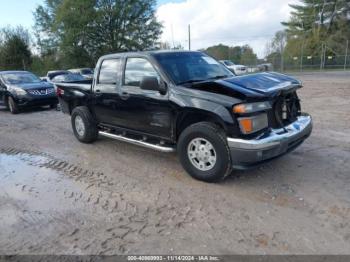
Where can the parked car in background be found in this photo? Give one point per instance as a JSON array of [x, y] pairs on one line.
[[265, 67], [188, 102], [51, 74], [69, 78], [236, 69], [20, 89], [87, 73]]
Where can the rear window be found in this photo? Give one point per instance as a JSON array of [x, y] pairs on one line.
[[109, 71]]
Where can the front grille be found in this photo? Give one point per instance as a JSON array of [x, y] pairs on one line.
[[286, 110], [41, 92]]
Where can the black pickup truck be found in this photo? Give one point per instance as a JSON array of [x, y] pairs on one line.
[[188, 102]]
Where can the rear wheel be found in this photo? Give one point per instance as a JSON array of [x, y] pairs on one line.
[[12, 105], [204, 153], [84, 125]]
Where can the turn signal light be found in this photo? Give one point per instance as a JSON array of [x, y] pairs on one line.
[[249, 125], [246, 125]]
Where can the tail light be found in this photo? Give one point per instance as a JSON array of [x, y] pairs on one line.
[[59, 92]]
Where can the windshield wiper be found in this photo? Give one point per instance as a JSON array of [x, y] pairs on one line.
[[192, 81], [218, 77]]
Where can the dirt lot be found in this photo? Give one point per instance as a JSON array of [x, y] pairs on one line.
[[58, 196]]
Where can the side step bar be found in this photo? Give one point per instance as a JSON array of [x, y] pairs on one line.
[[138, 142]]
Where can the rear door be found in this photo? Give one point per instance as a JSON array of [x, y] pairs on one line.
[[106, 93]]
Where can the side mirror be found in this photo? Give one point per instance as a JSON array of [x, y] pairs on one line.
[[152, 83]]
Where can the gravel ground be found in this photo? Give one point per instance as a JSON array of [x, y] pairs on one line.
[[58, 196]]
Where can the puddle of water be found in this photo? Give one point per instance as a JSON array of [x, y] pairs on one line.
[[26, 185]]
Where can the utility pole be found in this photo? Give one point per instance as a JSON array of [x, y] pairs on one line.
[[172, 35], [324, 55], [346, 53], [189, 37], [302, 49], [321, 57], [301, 56]]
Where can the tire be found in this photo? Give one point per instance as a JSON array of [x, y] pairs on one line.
[[84, 125], [6, 102], [12, 105], [53, 106], [209, 134]]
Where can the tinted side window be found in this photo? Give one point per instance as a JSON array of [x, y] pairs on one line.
[[136, 69], [109, 72]]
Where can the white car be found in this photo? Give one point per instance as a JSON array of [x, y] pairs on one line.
[[236, 69]]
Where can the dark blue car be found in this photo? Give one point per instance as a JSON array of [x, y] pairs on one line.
[[20, 89]]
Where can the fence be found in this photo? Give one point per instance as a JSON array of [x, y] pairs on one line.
[[305, 63]]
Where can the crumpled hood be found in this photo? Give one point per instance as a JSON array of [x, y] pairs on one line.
[[28, 86], [261, 84], [252, 87]]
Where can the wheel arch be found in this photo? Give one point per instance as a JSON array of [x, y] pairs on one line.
[[192, 116]]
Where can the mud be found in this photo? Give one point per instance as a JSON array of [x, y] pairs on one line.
[[58, 196]]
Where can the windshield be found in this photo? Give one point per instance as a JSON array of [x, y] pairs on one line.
[[20, 78], [186, 67]]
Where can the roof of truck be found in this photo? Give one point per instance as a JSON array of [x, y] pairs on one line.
[[151, 52]]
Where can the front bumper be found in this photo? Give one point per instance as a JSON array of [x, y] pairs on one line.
[[28, 100], [249, 153]]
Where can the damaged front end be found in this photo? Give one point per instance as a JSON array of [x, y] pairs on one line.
[[287, 126]]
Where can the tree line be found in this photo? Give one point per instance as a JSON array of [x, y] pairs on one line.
[[316, 28], [238, 54], [75, 33]]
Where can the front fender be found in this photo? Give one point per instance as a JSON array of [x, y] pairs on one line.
[[213, 104]]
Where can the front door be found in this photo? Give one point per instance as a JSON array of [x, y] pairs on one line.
[[146, 111]]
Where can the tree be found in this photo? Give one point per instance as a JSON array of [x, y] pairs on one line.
[[314, 23], [238, 54], [248, 56], [220, 51], [278, 46], [82, 30], [15, 52]]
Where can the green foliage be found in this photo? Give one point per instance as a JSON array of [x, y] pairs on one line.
[[315, 23], [237, 54], [14, 49], [80, 31], [248, 56]]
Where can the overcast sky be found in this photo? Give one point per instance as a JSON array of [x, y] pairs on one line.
[[231, 22]]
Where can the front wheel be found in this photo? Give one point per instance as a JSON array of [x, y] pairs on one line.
[[53, 106], [12, 105], [204, 153], [84, 125]]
